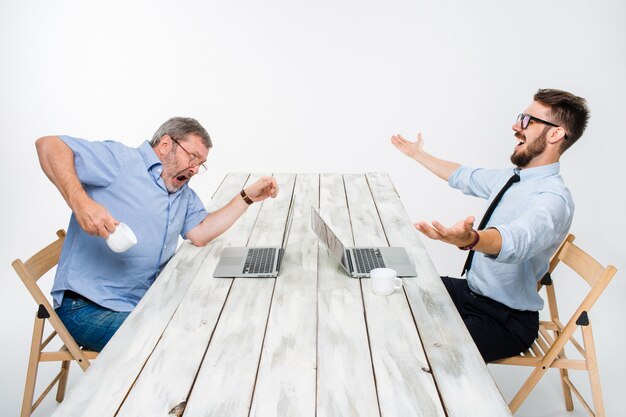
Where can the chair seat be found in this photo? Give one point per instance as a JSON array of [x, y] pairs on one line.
[[541, 347]]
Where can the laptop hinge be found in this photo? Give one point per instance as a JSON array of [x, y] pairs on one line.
[[281, 252], [350, 265]]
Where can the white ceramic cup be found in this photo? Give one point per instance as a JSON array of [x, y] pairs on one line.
[[122, 238], [385, 281]]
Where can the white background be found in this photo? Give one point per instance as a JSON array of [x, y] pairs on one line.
[[316, 87]]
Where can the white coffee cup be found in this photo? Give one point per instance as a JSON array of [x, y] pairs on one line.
[[122, 238], [385, 281]]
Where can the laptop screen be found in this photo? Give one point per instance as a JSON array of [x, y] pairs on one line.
[[329, 238]]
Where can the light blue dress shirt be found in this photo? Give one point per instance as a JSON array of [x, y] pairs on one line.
[[127, 181], [533, 218]]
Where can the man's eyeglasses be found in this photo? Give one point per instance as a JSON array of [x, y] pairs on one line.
[[194, 161], [525, 120]]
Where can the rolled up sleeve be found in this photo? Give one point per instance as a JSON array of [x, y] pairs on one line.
[[537, 230]]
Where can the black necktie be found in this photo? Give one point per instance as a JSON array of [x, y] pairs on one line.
[[487, 216]]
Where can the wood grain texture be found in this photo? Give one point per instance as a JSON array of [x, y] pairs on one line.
[[225, 382], [463, 380], [345, 380], [312, 342], [168, 376], [403, 380], [108, 380], [286, 381]]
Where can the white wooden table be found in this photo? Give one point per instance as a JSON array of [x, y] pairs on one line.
[[312, 342]]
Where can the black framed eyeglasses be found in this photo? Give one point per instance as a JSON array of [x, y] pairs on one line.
[[194, 161], [525, 120]]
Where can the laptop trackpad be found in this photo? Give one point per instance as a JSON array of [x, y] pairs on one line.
[[396, 260], [231, 260]]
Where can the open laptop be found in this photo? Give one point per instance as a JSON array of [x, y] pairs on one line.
[[358, 262], [254, 262]]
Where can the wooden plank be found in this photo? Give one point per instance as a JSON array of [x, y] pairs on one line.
[[463, 380], [167, 378], [403, 380], [286, 381], [345, 380], [225, 382], [108, 380]]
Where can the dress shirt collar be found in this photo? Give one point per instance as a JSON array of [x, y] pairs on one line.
[[529, 174]]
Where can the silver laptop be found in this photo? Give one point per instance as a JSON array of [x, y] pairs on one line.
[[358, 262], [254, 262]]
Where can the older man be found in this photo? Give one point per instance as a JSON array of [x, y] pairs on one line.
[[105, 183]]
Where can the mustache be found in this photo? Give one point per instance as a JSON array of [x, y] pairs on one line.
[[519, 135]]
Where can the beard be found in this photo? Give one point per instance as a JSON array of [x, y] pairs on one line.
[[169, 172], [535, 148]]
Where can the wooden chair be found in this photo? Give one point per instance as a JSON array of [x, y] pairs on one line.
[[548, 350], [30, 272]]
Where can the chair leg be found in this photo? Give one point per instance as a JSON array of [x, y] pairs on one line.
[[567, 391], [65, 369], [33, 365], [525, 390], [592, 368]]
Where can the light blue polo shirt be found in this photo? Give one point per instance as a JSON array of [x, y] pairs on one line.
[[127, 181], [533, 218]]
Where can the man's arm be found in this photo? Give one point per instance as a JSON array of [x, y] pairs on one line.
[[463, 234], [221, 220], [415, 150], [57, 162]]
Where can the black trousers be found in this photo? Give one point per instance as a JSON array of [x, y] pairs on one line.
[[498, 330]]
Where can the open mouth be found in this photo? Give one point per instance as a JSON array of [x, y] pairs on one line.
[[520, 139]]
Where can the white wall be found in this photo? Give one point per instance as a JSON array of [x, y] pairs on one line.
[[315, 87]]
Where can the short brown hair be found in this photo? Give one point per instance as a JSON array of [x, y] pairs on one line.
[[568, 111]]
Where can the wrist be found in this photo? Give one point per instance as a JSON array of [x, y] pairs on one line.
[[474, 242], [245, 197]]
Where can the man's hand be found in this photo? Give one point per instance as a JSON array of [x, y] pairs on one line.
[[263, 188], [410, 149], [94, 218], [460, 234]]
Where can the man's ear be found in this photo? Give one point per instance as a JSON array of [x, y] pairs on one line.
[[164, 145], [556, 134]]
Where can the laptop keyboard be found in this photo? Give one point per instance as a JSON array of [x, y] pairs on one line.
[[368, 259], [260, 261]]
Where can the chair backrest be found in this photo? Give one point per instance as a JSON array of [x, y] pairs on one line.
[[585, 266], [37, 265], [30, 272]]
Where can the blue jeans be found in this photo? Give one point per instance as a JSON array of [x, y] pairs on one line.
[[90, 324]]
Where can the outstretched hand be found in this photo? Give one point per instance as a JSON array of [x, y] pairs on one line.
[[460, 234], [263, 188], [410, 149]]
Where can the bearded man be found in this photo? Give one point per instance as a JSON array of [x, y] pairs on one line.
[[530, 212]]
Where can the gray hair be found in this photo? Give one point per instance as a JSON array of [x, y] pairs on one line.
[[178, 128]]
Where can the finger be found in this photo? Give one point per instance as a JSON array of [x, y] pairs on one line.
[[469, 222], [429, 231], [440, 227], [103, 232]]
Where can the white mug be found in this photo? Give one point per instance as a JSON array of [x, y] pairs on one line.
[[385, 281], [122, 238]]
